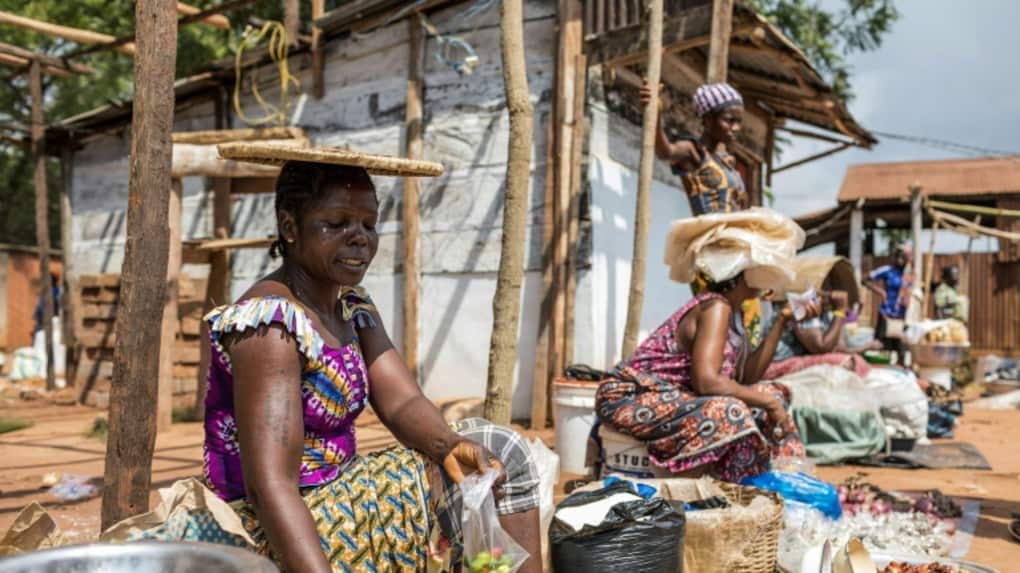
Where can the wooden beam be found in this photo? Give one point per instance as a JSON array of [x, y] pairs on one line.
[[42, 221], [204, 160], [719, 47], [64, 32], [215, 20], [414, 132], [625, 46], [814, 135], [351, 11], [21, 64], [318, 53], [214, 136], [815, 157], [170, 323], [543, 347], [133, 394], [230, 243], [857, 239], [642, 211], [70, 299], [46, 60], [576, 178], [292, 20]]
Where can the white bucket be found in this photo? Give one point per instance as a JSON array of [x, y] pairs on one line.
[[937, 375], [626, 456], [574, 410]]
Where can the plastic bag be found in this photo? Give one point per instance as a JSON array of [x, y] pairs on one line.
[[488, 548], [799, 302], [802, 488], [903, 404], [643, 535], [548, 466]]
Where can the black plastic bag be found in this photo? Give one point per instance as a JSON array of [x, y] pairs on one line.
[[641, 536]]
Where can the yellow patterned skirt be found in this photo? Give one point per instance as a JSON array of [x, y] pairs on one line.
[[377, 518]]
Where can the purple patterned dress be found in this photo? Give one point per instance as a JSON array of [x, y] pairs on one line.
[[651, 397]]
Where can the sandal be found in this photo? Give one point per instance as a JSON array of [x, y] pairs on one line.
[[1014, 527]]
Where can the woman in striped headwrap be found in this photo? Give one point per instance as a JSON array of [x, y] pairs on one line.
[[709, 173]]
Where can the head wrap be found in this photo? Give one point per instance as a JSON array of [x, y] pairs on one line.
[[714, 97], [760, 243]]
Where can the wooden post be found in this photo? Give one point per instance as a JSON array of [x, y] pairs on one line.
[[543, 347], [719, 46], [576, 177], [916, 226], [506, 303], [292, 20], [217, 287], [770, 152], [133, 394], [318, 54], [69, 297], [414, 131], [643, 208], [42, 220], [171, 321], [857, 239]]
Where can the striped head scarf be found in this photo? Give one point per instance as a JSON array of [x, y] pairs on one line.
[[713, 97]]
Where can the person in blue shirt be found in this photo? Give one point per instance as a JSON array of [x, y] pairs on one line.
[[38, 315], [892, 285]]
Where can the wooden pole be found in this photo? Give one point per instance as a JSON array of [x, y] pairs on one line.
[[574, 215], [318, 54], [69, 298], [916, 226], [543, 348], [42, 220], [719, 46], [292, 20], [857, 239], [414, 131], [171, 321], [215, 20], [506, 303], [643, 207], [64, 32], [133, 394], [48, 62]]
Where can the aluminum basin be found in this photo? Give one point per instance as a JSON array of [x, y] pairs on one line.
[[139, 557], [938, 355]]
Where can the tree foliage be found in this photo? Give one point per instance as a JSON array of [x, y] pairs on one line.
[[827, 36], [198, 46]]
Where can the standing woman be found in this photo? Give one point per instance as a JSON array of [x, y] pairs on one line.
[[707, 169], [891, 283]]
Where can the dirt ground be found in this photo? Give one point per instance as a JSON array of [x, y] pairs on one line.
[[58, 443]]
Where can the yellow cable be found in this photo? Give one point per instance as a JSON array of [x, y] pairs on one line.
[[278, 48]]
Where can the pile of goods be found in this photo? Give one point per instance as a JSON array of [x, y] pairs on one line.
[[949, 332], [493, 561], [896, 567], [857, 495]]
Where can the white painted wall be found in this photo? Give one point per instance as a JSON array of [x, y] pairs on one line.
[[613, 166], [466, 129]]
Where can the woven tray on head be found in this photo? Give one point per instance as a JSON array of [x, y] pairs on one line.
[[280, 153], [763, 554]]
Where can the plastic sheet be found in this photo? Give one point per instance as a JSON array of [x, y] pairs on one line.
[[801, 488], [643, 535]]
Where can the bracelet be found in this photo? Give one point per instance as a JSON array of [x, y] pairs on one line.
[[839, 313]]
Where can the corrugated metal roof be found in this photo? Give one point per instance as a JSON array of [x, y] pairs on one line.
[[953, 177]]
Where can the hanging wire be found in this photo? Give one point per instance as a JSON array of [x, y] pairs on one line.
[[278, 48], [947, 145]]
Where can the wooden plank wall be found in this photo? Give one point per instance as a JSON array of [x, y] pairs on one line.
[[99, 296], [994, 291]]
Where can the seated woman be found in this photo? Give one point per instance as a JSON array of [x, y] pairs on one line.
[[295, 361], [691, 390]]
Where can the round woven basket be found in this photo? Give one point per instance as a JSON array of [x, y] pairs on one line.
[[762, 553], [280, 153]]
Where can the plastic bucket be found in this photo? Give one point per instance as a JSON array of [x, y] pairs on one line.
[[626, 456], [574, 411]]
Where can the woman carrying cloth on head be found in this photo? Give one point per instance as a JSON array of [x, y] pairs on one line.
[[299, 357], [691, 390]]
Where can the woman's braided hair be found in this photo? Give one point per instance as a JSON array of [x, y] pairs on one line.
[[301, 184]]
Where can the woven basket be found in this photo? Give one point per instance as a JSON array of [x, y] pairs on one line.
[[762, 554], [280, 153]]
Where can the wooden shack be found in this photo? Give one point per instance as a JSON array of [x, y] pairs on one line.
[[583, 62]]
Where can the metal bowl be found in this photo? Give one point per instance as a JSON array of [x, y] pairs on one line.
[[140, 557], [936, 355]]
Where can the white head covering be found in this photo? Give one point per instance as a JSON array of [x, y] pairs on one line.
[[759, 242]]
